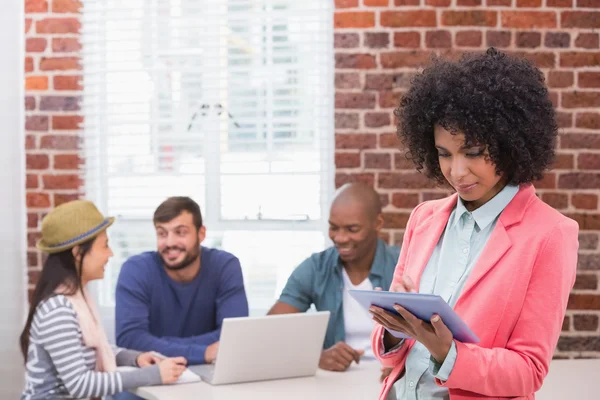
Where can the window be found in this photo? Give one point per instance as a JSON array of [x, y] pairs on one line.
[[229, 102]]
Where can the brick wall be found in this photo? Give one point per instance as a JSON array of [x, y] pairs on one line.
[[52, 113], [378, 46]]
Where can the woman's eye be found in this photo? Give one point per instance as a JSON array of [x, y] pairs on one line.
[[443, 155], [475, 154]]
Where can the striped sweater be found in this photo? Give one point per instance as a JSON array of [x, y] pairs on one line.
[[60, 366]]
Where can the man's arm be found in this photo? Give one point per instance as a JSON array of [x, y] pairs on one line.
[[282, 308], [296, 296], [132, 320]]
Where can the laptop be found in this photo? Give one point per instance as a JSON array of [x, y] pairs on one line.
[[269, 347]]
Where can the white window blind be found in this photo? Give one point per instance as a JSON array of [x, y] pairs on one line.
[[229, 102]]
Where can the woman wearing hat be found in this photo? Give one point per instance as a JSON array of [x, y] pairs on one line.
[[65, 348]]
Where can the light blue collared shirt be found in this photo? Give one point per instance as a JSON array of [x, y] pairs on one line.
[[446, 273]]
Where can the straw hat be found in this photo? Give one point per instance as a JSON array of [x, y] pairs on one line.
[[71, 224]]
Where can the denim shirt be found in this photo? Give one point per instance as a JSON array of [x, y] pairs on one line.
[[318, 280]]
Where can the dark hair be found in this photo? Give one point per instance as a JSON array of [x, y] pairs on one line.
[[173, 206], [495, 100], [59, 268]]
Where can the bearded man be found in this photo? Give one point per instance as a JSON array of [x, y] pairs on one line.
[[174, 300]]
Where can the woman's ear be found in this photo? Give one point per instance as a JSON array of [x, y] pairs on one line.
[[76, 253]]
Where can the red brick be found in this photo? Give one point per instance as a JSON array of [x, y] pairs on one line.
[[66, 45], [405, 200], [378, 161], [58, 25], [389, 99], [31, 181], [355, 61], [499, 3], [580, 141], [498, 38], [28, 64], [403, 19], [389, 141], [345, 40], [588, 4], [407, 39], [347, 80], [379, 82], [32, 220], [560, 79], [585, 322], [588, 121], [469, 18], [564, 161], [580, 19], [528, 39], [427, 196], [28, 22], [32, 238], [556, 200], [376, 40], [37, 123], [547, 182], [347, 160], [557, 40], [68, 181], [384, 199], [588, 241], [529, 3], [528, 19], [438, 39], [405, 59], [60, 142], [588, 41], [346, 121], [36, 83], [566, 323], [586, 221], [559, 3], [579, 59], [588, 79], [410, 180], [354, 19], [376, 3], [468, 3], [358, 141], [540, 59], [342, 179], [554, 98], [588, 161], [468, 38], [377, 119], [438, 3], [37, 161], [29, 103], [66, 161], [60, 64], [67, 82], [35, 45], [364, 100], [400, 3], [584, 302], [586, 282], [30, 142], [60, 103], [579, 180], [581, 99], [395, 220], [36, 6], [564, 119], [401, 162], [61, 198], [585, 201], [346, 3], [66, 6], [37, 200]]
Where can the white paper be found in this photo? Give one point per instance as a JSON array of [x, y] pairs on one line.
[[186, 377]]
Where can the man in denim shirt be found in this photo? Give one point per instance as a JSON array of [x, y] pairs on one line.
[[358, 260]]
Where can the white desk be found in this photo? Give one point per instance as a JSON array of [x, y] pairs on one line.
[[567, 379], [358, 382]]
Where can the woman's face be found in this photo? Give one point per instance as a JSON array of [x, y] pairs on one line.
[[467, 169], [94, 261]]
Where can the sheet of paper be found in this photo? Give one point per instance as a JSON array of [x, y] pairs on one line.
[[187, 376]]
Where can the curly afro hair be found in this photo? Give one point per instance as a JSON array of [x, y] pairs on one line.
[[495, 100]]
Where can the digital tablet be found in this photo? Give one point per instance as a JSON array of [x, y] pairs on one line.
[[422, 306]]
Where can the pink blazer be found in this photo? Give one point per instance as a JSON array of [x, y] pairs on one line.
[[514, 300]]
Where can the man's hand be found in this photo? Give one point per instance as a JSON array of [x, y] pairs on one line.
[[147, 359], [210, 354], [339, 357]]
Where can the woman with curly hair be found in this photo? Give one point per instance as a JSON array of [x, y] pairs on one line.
[[503, 259]]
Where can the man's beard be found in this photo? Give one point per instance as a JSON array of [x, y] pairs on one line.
[[190, 257]]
